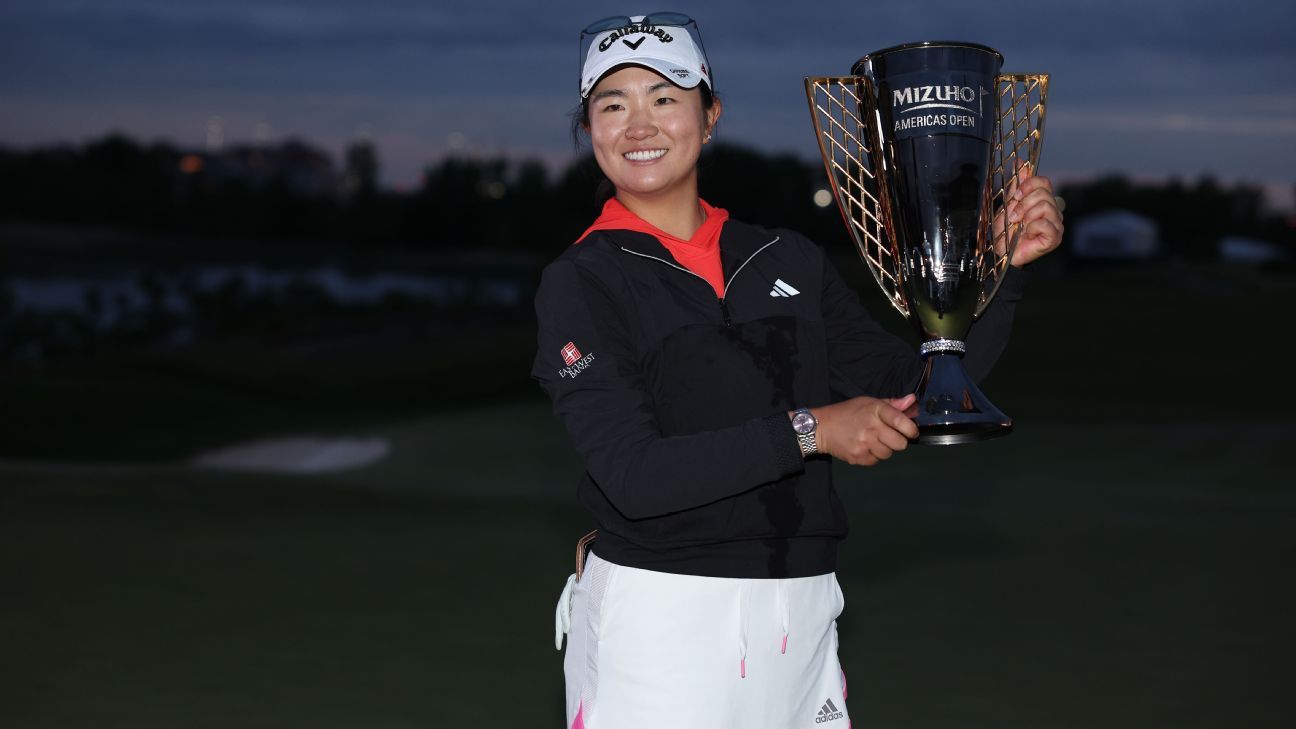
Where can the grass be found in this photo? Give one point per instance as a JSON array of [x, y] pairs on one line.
[[133, 406], [1068, 577], [1123, 560], [160, 596], [1064, 577], [285, 608]]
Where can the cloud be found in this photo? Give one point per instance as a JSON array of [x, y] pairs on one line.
[[1132, 81], [276, 27], [1115, 121]]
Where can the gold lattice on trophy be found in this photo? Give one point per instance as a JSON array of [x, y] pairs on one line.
[[843, 144], [835, 105], [1020, 129]]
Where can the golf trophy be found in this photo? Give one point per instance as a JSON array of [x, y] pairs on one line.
[[924, 145]]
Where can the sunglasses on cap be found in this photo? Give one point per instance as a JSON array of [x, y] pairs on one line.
[[620, 21]]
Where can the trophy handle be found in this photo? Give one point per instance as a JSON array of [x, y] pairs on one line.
[[843, 145], [1019, 136]]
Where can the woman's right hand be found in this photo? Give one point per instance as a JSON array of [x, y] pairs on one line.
[[864, 430]]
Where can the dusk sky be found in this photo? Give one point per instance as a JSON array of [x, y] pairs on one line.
[[1149, 88]]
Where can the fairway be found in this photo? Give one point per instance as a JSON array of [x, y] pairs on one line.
[[1123, 560], [1068, 576]]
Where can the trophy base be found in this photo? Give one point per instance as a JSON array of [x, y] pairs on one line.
[[952, 409]]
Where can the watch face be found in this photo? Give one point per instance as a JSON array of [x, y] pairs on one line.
[[804, 423]]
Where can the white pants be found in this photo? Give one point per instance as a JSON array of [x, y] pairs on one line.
[[652, 650]]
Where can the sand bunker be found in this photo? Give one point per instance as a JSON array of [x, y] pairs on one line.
[[297, 454]]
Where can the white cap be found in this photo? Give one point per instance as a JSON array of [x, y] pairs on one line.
[[666, 49]]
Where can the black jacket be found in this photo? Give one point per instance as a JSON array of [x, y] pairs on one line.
[[677, 401]]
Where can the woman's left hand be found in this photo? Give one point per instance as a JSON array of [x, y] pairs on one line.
[[1032, 202]]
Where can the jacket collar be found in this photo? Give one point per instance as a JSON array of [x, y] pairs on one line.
[[738, 242]]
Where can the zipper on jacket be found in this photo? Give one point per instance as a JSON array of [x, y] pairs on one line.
[[724, 309], [743, 265]]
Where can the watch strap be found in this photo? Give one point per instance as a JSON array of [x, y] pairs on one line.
[[809, 446]]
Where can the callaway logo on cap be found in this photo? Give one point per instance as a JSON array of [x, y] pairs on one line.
[[666, 49]]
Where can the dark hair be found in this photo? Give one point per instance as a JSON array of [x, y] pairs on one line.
[[580, 127]]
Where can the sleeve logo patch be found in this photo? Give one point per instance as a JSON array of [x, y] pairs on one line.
[[570, 354], [576, 363]]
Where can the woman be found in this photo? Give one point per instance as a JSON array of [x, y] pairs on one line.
[[708, 598]]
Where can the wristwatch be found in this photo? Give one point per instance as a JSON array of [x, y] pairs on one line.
[[805, 423]]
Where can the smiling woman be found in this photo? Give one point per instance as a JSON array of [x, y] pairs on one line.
[[647, 135], [706, 370], [640, 92]]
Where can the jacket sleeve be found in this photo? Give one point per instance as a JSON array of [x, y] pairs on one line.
[[865, 359], [602, 399], [988, 337]]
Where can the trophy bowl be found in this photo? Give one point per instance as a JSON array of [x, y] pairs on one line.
[[923, 144]]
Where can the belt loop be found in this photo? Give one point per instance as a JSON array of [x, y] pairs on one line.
[[582, 546]]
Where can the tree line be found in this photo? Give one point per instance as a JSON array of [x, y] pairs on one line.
[[499, 203]]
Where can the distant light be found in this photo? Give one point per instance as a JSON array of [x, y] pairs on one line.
[[822, 198], [191, 163], [496, 190], [456, 140]]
